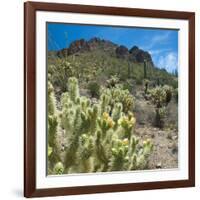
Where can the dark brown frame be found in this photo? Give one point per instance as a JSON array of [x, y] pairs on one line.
[[30, 9]]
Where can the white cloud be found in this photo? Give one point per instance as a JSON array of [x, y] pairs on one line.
[[157, 39], [169, 61], [158, 51], [161, 38]]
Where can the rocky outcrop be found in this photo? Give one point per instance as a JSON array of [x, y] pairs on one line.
[[121, 51], [138, 55], [82, 45], [78, 46], [62, 53], [105, 45], [135, 54]]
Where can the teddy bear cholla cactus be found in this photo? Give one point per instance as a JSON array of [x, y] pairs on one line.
[[99, 137], [53, 155], [161, 96], [118, 95]]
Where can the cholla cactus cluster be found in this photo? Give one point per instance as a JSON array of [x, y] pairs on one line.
[[118, 95], [60, 73], [99, 137], [112, 81], [160, 97], [168, 90], [53, 155]]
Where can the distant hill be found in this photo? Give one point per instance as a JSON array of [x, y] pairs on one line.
[[99, 59]]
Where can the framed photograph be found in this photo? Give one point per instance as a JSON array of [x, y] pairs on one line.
[[109, 99]]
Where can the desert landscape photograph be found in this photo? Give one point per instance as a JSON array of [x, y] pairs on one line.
[[112, 98]]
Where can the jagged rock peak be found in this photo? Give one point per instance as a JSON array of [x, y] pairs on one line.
[[139, 55], [134, 48], [78, 45], [92, 44], [121, 51]]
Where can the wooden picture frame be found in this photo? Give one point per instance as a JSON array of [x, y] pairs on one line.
[[30, 9]]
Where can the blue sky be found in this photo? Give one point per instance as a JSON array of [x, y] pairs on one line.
[[161, 43]]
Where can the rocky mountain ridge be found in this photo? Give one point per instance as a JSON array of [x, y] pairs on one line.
[[134, 54]]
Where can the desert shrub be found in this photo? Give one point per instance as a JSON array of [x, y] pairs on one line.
[[174, 83], [127, 85], [138, 80], [60, 72], [112, 81], [98, 140], [94, 89]]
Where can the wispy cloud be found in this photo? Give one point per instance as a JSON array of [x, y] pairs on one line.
[[169, 61], [156, 52], [157, 39]]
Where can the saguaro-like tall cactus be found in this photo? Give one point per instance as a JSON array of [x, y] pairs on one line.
[[145, 69]]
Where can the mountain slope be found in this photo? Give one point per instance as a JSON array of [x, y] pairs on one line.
[[97, 60]]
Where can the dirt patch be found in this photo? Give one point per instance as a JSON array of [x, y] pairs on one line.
[[165, 152]]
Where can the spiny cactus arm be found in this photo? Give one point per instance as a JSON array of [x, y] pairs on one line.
[[117, 112], [147, 147], [77, 124], [64, 99], [104, 103], [143, 154], [127, 123], [119, 160], [105, 123], [73, 88], [85, 104], [52, 129], [85, 151], [133, 145], [71, 152], [67, 119], [51, 100], [100, 151], [92, 116]]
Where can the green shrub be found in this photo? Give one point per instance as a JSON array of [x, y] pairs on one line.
[[94, 89], [60, 73], [113, 81]]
